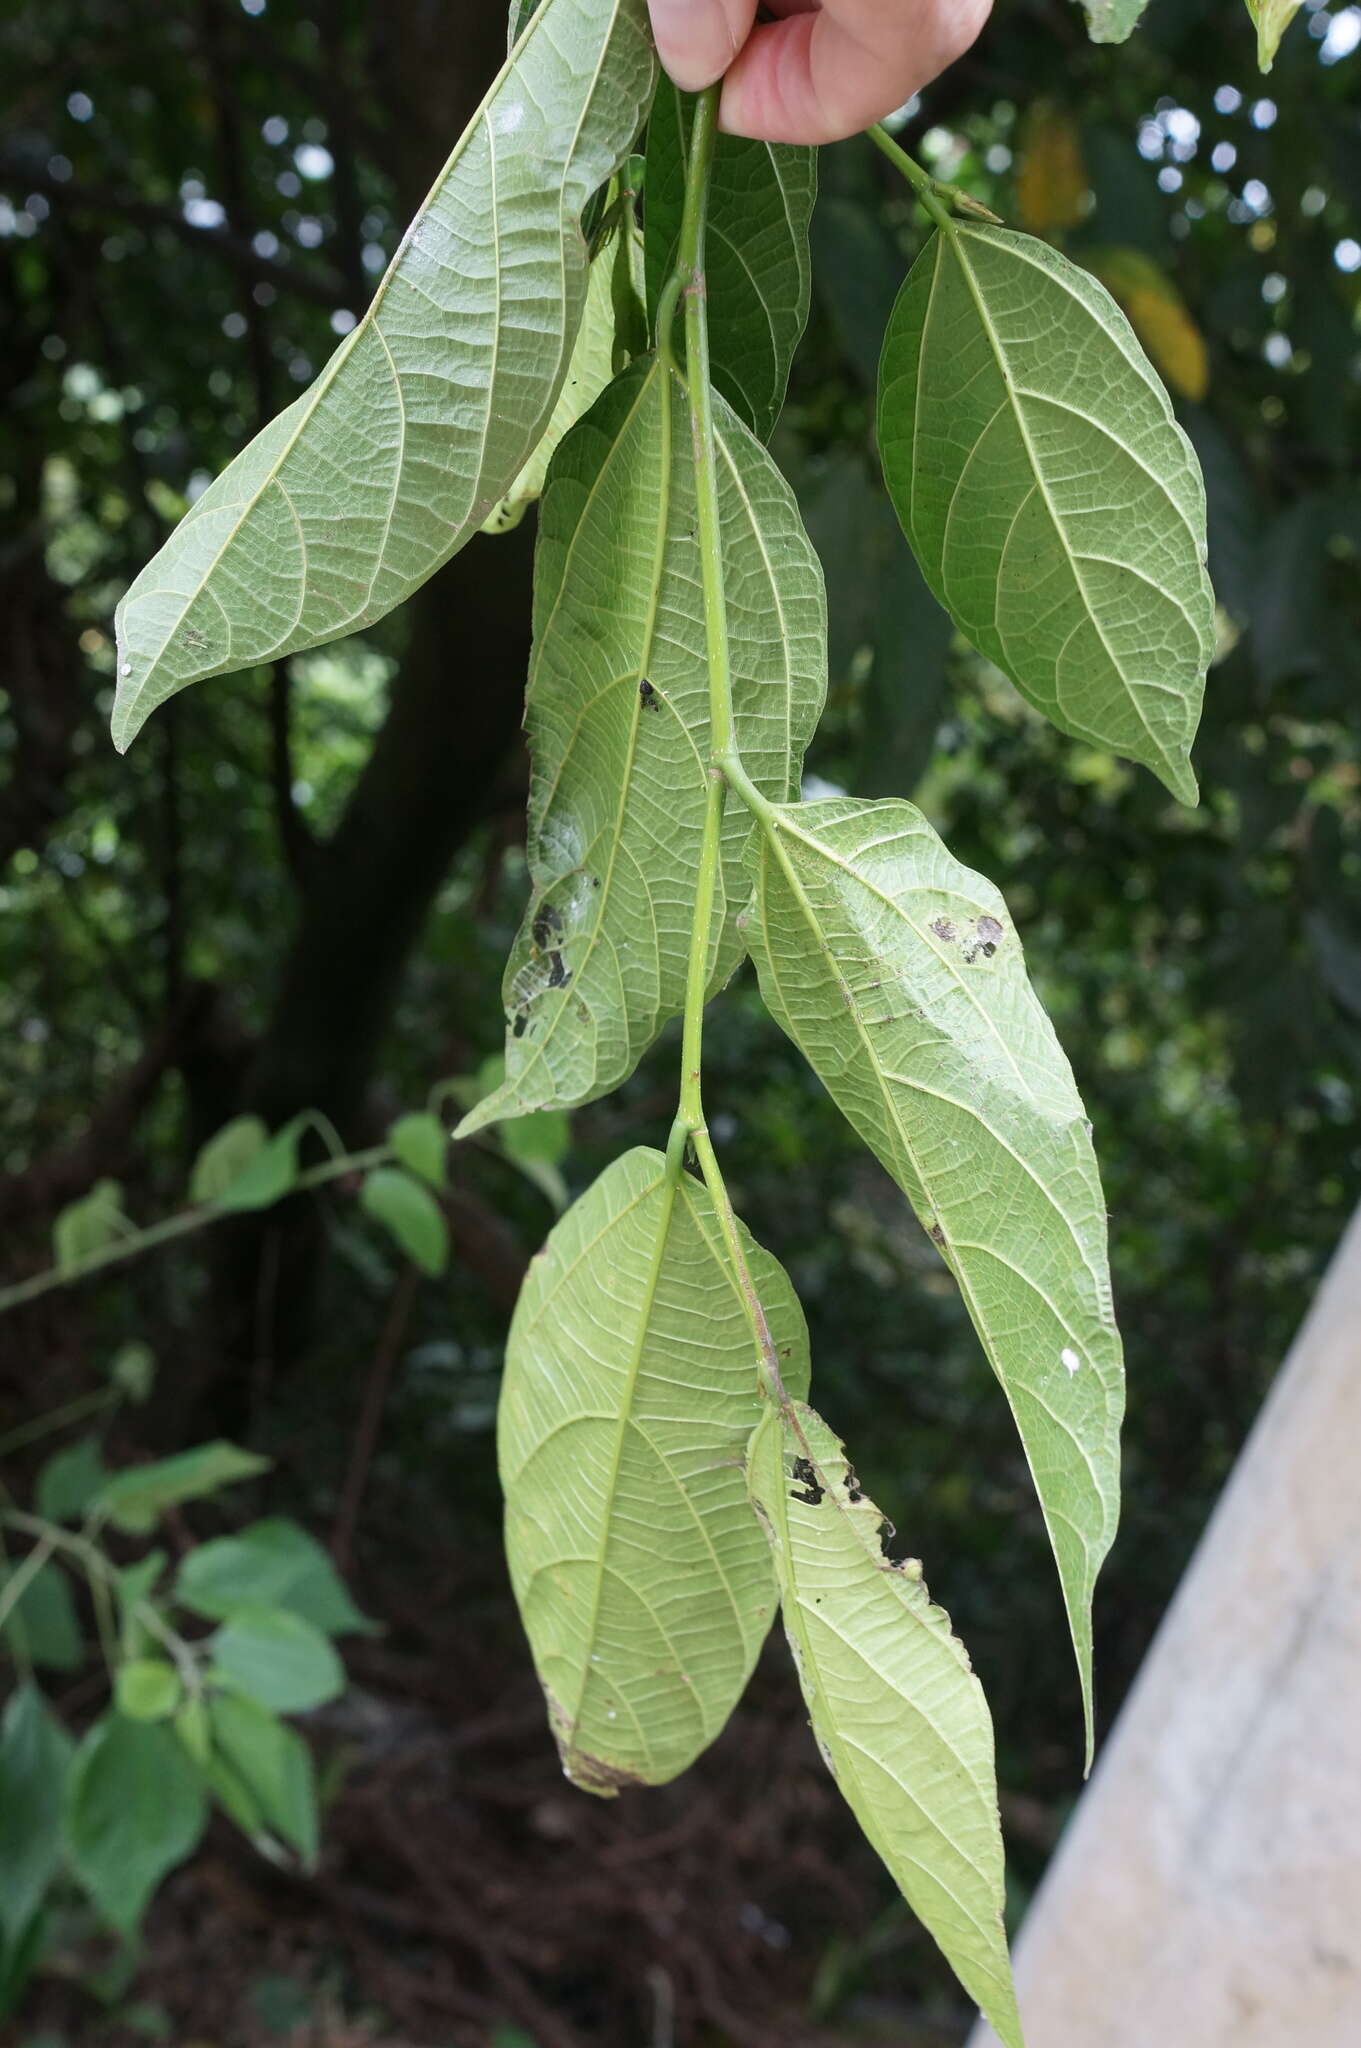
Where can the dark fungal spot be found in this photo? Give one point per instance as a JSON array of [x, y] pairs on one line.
[[558, 975], [943, 927], [517, 1029], [546, 926], [808, 1490], [649, 696], [936, 1234]]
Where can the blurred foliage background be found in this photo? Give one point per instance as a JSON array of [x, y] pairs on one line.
[[297, 891]]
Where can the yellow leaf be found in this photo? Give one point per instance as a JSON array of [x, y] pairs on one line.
[[1273, 18], [1051, 180], [1159, 316]]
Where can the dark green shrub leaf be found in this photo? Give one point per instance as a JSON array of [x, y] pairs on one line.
[[278, 1659], [272, 1563], [43, 1617], [421, 1142], [410, 1214], [757, 267], [899, 1716], [135, 1809], [274, 1764], [135, 1500], [618, 717], [1054, 504], [35, 1753], [147, 1689], [69, 1481], [900, 976], [453, 373], [643, 1582]]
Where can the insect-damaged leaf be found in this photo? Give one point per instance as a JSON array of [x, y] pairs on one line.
[[899, 1716], [757, 264], [428, 410], [618, 719], [900, 976], [1055, 505], [630, 1392]]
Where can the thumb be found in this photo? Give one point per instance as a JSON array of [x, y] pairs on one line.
[[698, 39]]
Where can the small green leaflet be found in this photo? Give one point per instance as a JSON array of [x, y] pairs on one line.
[[1112, 21], [758, 268], [618, 719], [899, 1716], [273, 1766], [277, 1659], [1056, 507], [1273, 18], [272, 1563], [135, 1499], [630, 1392], [429, 409], [899, 974]]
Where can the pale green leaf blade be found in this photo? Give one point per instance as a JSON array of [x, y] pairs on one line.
[[899, 1716], [1056, 507], [429, 409], [271, 1563], [135, 1499], [618, 720], [277, 1659], [135, 1808], [758, 266], [1272, 19], [899, 974], [1112, 21], [630, 1392], [406, 1209], [588, 373], [274, 1764]]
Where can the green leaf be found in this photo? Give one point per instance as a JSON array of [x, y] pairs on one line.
[[410, 1214], [1272, 18], [43, 1618], [147, 1689], [226, 1156], [590, 370], [194, 1730], [630, 1391], [421, 1142], [900, 976], [88, 1225], [278, 1659], [272, 1563], [618, 717], [134, 1585], [69, 1481], [1112, 21], [135, 1809], [274, 1764], [899, 1716], [429, 408], [135, 1500], [757, 264], [35, 1753], [1054, 504], [267, 1176], [132, 1370]]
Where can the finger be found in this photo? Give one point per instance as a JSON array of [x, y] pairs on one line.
[[818, 76], [698, 39]]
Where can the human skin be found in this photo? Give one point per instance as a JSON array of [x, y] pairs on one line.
[[822, 69]]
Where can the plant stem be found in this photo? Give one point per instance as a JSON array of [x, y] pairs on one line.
[[922, 183], [690, 283], [182, 1225], [57, 1418]]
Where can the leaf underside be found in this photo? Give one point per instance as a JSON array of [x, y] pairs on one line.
[[1272, 18], [630, 1392], [758, 268], [618, 721], [899, 975], [1112, 21], [1056, 507], [429, 409], [898, 1714]]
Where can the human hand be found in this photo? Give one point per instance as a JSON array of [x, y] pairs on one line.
[[823, 70]]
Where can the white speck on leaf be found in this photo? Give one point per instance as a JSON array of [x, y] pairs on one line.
[[1069, 1358]]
